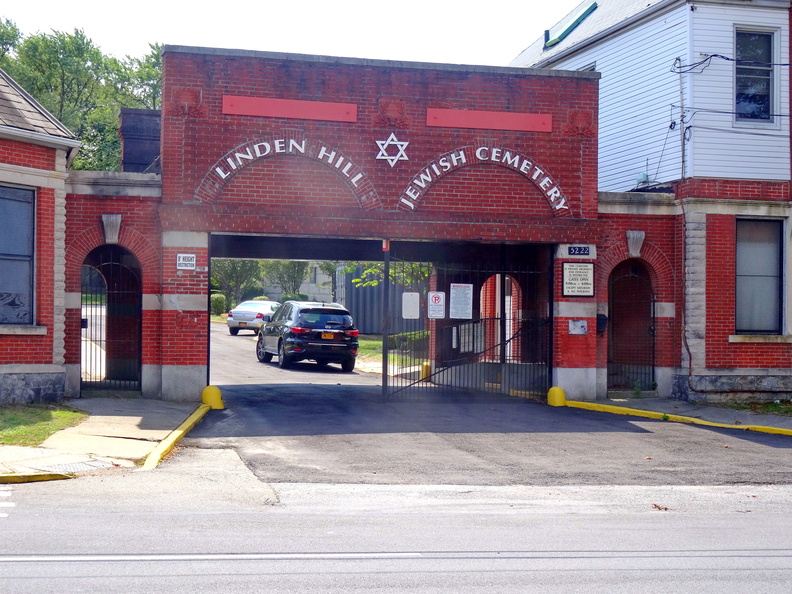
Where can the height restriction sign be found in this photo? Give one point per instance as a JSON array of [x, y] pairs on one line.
[[436, 305]]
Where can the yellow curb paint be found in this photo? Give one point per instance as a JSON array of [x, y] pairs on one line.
[[34, 477], [623, 410], [167, 444]]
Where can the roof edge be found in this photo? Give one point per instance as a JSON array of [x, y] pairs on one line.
[[39, 138], [67, 134], [505, 70], [563, 54]]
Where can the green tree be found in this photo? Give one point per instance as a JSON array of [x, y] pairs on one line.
[[83, 88], [412, 276], [329, 267], [286, 274], [65, 72], [9, 38], [235, 277]]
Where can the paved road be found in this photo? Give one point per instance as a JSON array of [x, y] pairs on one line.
[[202, 523], [309, 425]]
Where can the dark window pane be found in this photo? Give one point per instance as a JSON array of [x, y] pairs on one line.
[[754, 76], [16, 305], [16, 255], [758, 268]]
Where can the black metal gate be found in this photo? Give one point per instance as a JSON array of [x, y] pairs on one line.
[[631, 344], [111, 321], [475, 327]]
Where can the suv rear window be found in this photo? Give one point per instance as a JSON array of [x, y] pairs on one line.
[[320, 318]]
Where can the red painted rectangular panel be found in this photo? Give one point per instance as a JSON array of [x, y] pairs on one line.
[[289, 108], [489, 120]]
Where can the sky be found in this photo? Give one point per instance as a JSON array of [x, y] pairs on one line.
[[450, 31]]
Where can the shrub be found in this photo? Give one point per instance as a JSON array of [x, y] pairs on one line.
[[262, 298], [294, 297], [410, 341], [217, 304]]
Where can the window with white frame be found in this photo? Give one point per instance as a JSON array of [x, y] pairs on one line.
[[754, 76], [759, 276], [16, 255]]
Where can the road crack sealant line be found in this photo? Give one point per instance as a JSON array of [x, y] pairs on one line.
[[650, 414], [167, 444]]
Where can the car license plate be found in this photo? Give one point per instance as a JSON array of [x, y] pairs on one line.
[[243, 323], [327, 336]]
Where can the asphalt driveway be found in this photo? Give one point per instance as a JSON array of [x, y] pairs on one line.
[[311, 424]]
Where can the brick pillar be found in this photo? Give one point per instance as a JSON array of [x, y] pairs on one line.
[[185, 308]]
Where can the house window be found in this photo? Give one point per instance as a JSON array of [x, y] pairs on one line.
[[754, 76], [759, 265], [16, 255]]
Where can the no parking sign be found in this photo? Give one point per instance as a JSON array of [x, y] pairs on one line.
[[436, 305]]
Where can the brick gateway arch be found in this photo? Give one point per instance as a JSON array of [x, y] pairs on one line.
[[261, 147]]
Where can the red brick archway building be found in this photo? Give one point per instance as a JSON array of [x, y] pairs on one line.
[[260, 146]]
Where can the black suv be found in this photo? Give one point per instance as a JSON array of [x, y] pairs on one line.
[[298, 330]]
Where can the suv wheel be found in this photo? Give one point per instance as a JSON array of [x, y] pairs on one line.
[[347, 365], [261, 354], [284, 360]]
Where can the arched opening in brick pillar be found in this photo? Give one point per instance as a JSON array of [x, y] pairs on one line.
[[631, 328], [111, 306], [501, 296]]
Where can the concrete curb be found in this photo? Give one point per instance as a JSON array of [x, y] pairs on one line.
[[167, 444], [623, 410], [32, 477]]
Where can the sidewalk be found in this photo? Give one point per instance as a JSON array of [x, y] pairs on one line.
[[120, 432], [117, 433]]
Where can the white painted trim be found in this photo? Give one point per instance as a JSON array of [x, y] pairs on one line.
[[57, 142], [20, 368], [567, 309], [184, 302], [18, 330], [185, 239], [28, 176], [761, 338]]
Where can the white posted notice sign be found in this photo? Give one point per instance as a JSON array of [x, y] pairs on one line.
[[461, 305], [411, 306], [185, 261], [436, 305]]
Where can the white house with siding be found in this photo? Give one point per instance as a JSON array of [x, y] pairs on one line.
[[669, 106], [694, 125]]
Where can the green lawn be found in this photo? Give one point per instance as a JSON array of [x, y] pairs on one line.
[[30, 425]]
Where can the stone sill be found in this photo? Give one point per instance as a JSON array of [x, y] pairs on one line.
[[761, 338], [23, 330]]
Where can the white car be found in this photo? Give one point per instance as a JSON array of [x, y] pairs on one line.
[[249, 315]]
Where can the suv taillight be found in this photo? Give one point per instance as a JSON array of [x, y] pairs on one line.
[[352, 332], [299, 330]]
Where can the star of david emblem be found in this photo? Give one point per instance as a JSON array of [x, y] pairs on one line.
[[392, 141]]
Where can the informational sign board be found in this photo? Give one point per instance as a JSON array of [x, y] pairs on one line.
[[411, 306], [435, 305], [578, 279], [185, 261], [461, 302]]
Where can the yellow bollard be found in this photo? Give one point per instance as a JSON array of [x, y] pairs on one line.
[[212, 397], [426, 371], [556, 397]]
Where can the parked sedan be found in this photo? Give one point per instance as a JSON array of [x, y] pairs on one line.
[[299, 330], [249, 315]]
